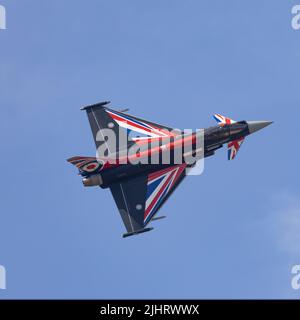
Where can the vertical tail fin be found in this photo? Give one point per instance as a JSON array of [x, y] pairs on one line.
[[223, 120]]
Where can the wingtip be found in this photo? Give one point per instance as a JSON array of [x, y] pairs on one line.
[[126, 235], [99, 104]]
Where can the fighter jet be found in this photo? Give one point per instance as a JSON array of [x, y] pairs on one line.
[[140, 188]]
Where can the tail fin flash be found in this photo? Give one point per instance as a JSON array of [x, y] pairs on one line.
[[223, 120]]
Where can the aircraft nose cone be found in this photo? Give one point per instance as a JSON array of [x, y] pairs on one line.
[[257, 125]]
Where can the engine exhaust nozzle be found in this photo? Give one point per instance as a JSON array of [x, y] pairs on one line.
[[95, 180]]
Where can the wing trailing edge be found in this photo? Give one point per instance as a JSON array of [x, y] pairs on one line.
[[140, 198]]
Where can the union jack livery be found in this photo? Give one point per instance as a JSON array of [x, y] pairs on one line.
[[140, 188], [223, 120], [159, 184], [233, 146], [142, 129]]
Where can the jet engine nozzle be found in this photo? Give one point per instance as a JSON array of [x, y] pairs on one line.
[[95, 180]]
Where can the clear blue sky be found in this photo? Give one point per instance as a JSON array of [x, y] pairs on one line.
[[233, 232]]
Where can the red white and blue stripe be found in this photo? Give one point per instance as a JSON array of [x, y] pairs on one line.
[[87, 165], [223, 120], [143, 129], [233, 148], [159, 185]]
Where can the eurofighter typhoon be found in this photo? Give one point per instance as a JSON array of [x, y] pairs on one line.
[[143, 162]]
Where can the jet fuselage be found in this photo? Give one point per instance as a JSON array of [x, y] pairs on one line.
[[126, 166]]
